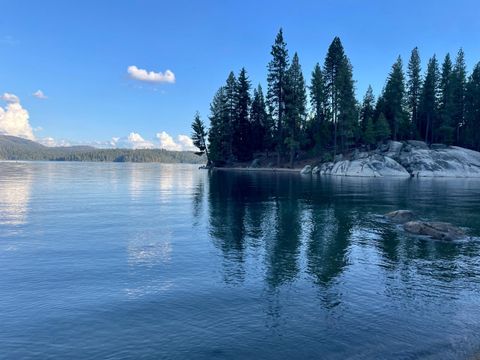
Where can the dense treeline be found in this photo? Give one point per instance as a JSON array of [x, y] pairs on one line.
[[14, 148], [324, 118]]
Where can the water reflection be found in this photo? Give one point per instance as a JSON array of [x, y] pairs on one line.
[[311, 226], [15, 192]]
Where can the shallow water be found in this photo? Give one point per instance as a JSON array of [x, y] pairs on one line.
[[167, 261]]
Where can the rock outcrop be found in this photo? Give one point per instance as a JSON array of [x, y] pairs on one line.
[[404, 159], [451, 161], [367, 165], [306, 170], [435, 230]]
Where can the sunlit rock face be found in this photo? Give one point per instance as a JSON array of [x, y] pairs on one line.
[[411, 158], [15, 189]]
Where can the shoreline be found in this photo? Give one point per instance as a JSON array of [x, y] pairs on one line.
[[260, 169]]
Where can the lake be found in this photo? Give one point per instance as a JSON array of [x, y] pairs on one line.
[[151, 261]]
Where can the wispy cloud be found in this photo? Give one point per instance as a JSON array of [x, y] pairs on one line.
[[10, 98], [40, 95], [151, 76]]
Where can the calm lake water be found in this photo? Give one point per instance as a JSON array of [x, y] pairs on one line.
[[150, 261]]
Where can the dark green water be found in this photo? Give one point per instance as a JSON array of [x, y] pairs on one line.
[[152, 261]]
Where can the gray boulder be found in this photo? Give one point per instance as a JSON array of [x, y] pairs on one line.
[[306, 170], [372, 165], [394, 148], [400, 216], [316, 170], [453, 161], [435, 230]]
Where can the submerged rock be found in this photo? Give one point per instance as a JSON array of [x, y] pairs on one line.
[[435, 230], [306, 170], [400, 216]]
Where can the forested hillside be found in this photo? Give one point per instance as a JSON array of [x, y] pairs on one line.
[[15, 148]]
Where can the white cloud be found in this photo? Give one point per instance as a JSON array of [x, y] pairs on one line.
[[183, 143], [40, 95], [167, 142], [132, 141], [14, 120], [186, 143], [10, 98], [151, 76]]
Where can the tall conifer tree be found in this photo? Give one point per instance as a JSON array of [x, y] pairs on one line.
[[394, 96], [295, 107], [277, 82], [429, 100], [459, 83], [472, 109], [446, 126], [414, 85], [241, 141]]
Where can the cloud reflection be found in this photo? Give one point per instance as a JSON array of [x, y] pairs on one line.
[[15, 193]]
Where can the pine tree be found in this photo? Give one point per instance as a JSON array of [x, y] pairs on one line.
[[340, 96], [261, 128], [414, 85], [472, 109], [317, 126], [446, 126], [231, 113], [368, 108], [317, 94], [241, 141], [429, 100], [394, 96], [382, 129], [199, 136], [369, 135], [295, 107], [367, 114], [277, 78], [218, 136], [348, 115], [459, 82]]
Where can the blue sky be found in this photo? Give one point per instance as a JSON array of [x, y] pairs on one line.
[[78, 53]]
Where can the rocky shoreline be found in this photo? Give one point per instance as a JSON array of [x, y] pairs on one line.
[[404, 159]]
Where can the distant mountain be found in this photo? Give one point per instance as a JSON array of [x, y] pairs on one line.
[[15, 148]]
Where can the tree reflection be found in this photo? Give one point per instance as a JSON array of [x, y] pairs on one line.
[[283, 248], [227, 226]]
